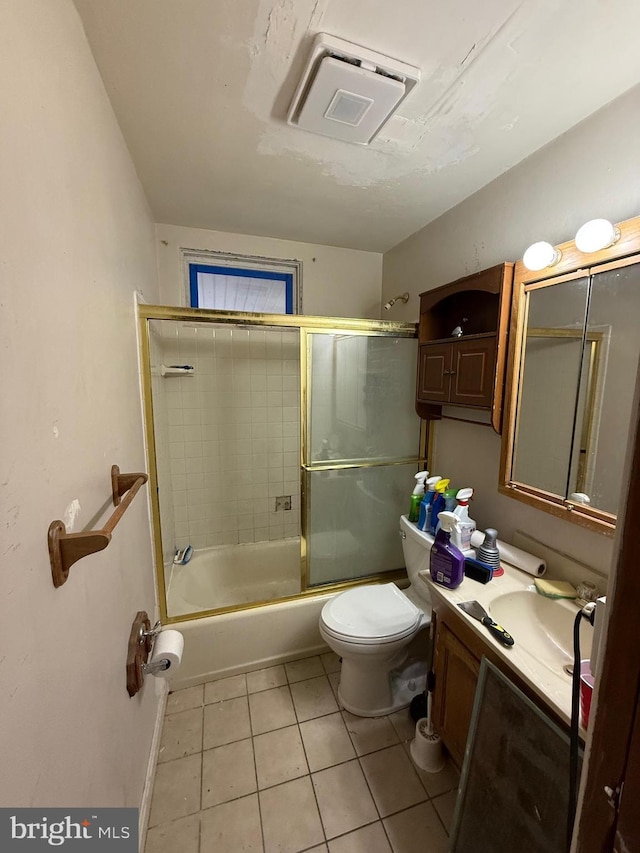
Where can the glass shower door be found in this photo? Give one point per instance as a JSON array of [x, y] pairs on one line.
[[361, 448]]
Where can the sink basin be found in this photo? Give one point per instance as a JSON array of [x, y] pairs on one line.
[[542, 626]]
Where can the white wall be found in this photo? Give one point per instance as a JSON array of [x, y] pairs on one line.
[[76, 240], [335, 282], [590, 171]]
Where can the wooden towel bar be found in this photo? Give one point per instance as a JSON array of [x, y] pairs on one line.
[[66, 548]]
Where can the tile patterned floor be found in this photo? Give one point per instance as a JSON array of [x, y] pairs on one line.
[[268, 762]]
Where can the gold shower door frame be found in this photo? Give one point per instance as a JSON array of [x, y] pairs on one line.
[[307, 325]]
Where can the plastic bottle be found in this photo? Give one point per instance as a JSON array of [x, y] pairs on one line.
[[446, 562], [438, 504], [450, 499], [427, 500], [418, 494], [449, 505], [466, 525]]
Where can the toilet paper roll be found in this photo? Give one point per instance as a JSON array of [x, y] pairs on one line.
[[169, 645], [514, 556]]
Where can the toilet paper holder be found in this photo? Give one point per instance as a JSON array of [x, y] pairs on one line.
[[141, 641]]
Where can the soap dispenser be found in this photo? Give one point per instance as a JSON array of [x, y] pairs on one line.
[[446, 562]]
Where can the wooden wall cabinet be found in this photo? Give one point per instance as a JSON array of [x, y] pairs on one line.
[[469, 370]]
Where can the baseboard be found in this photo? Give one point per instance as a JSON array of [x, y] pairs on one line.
[[179, 684], [145, 804]]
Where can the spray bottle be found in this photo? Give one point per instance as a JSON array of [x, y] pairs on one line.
[[418, 494], [466, 525], [446, 562], [438, 504], [425, 506]]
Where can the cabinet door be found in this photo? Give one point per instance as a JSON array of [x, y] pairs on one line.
[[456, 674], [473, 372], [434, 373]]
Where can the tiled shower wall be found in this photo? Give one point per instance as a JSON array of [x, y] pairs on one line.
[[233, 433]]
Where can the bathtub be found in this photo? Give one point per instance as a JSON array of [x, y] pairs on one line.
[[255, 638], [234, 574], [245, 640]]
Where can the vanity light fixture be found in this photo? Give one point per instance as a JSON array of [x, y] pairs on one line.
[[596, 234], [541, 255]]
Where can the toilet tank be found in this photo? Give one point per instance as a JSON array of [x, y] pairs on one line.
[[416, 547]]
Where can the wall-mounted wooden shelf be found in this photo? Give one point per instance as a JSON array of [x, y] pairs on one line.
[[67, 548], [468, 370]]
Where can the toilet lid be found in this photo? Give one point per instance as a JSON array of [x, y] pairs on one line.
[[371, 613]]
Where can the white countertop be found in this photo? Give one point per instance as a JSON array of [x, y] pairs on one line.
[[552, 685]]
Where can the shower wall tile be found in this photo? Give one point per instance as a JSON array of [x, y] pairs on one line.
[[232, 432]]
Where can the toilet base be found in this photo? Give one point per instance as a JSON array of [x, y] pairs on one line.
[[395, 690]]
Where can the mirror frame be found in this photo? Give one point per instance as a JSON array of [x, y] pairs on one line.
[[571, 262]]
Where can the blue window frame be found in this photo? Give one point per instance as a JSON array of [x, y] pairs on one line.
[[198, 285]]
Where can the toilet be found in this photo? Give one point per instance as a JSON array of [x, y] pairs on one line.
[[370, 628]]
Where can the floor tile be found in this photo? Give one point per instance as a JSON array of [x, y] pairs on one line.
[[181, 735], [330, 662], [369, 733], [313, 698], [176, 791], [271, 709], [225, 722], [228, 772], [279, 757], [416, 830], [392, 779], [225, 688], [321, 848], [334, 681], [232, 827], [326, 742], [298, 670], [265, 679], [344, 799], [404, 725], [182, 835], [369, 839], [435, 784], [183, 700], [445, 805], [290, 819]]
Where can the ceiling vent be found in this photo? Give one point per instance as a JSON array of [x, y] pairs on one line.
[[349, 92]]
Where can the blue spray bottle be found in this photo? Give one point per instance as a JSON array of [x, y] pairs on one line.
[[438, 504], [425, 506]]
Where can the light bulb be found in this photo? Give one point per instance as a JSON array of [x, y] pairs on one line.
[[595, 235], [541, 255]]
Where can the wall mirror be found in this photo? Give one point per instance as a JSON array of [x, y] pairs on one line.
[[574, 351]]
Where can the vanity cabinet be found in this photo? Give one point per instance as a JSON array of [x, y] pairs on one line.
[[467, 370], [458, 652], [456, 672]]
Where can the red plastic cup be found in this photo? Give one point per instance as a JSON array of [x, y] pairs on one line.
[[586, 691]]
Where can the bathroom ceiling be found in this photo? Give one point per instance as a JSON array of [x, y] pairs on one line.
[[201, 89]]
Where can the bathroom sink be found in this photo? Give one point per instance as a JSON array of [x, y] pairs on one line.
[[541, 626]]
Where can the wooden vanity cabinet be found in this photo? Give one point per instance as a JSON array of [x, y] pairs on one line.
[[468, 370], [458, 652]]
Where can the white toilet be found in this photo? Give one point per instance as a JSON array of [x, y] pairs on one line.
[[370, 627]]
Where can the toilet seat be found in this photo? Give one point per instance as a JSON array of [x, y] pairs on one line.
[[369, 615]]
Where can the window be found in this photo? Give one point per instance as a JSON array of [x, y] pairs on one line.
[[228, 283]]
